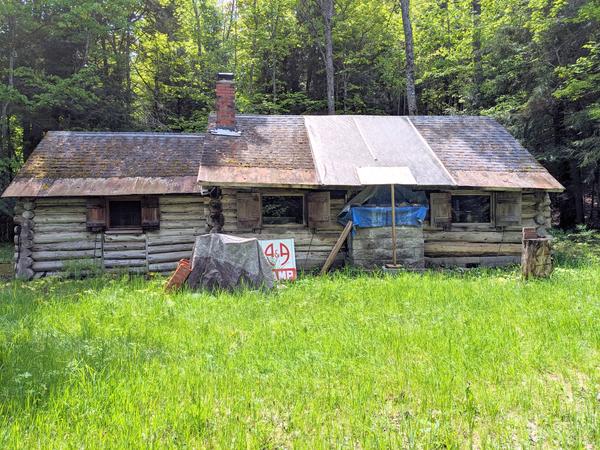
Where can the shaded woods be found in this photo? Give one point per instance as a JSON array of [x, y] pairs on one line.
[[150, 65]]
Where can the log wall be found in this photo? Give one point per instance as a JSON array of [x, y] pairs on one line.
[[312, 246], [182, 218], [54, 238], [486, 245]]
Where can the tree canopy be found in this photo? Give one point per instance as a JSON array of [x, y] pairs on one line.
[[150, 65]]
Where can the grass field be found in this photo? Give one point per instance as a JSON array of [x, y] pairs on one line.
[[478, 359]]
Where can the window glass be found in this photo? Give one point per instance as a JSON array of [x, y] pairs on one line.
[[279, 210], [471, 209], [125, 214]]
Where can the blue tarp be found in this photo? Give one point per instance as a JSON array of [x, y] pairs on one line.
[[381, 216]]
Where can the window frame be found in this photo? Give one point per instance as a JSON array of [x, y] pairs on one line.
[[117, 229], [478, 194], [304, 223]]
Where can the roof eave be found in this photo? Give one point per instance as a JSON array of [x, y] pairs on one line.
[[77, 187]]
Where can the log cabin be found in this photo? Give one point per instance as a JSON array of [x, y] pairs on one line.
[[136, 201]]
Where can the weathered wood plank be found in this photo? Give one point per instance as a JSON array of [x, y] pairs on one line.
[[474, 261], [470, 249], [60, 228], [338, 246], [168, 257], [108, 237], [69, 245], [171, 233], [192, 226], [125, 254], [108, 263], [176, 199], [192, 208], [163, 267], [473, 236], [171, 240], [46, 238], [53, 255], [168, 248], [117, 246], [63, 201], [62, 218], [67, 209]]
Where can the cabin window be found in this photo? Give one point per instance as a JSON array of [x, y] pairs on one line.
[[471, 209], [125, 214], [282, 209]]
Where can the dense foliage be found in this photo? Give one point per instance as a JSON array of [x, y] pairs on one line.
[[151, 64]]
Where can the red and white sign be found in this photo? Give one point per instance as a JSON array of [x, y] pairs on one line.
[[281, 256]]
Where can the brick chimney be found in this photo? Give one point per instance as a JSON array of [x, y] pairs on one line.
[[225, 101]]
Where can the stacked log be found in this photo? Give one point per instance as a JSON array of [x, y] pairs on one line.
[[61, 238], [312, 246], [182, 218], [542, 219], [537, 258], [470, 245], [24, 241], [124, 250]]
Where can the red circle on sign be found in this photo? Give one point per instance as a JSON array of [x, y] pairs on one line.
[[284, 252]]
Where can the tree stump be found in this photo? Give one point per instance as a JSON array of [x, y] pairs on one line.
[[536, 258]]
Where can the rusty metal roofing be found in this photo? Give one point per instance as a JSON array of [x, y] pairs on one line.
[[69, 187], [343, 144], [270, 150], [478, 151], [80, 163]]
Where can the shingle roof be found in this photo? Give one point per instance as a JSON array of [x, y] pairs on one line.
[[67, 163], [474, 143], [478, 151], [270, 150], [67, 154], [303, 151]]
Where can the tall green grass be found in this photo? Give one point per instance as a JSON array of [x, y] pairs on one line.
[[351, 361]]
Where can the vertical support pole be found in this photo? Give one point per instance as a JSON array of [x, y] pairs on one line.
[[393, 224]]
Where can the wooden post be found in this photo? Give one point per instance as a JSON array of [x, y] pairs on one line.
[[393, 225]]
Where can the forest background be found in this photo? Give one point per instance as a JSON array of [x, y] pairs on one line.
[[124, 65]]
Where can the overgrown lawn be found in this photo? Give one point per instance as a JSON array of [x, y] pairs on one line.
[[432, 360]]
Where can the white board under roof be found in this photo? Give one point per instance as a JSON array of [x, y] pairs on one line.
[[375, 176]]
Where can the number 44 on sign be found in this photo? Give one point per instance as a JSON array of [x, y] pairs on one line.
[[281, 256]]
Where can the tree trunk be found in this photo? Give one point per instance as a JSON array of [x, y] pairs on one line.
[[6, 152], [197, 27], [411, 93], [595, 213], [577, 191], [477, 68], [327, 12]]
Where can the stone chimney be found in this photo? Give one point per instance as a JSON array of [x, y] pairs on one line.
[[225, 102]]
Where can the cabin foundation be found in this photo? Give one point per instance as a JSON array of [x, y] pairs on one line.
[[371, 248]]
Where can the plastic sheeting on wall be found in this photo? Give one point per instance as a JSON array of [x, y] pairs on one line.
[[380, 216], [371, 208]]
